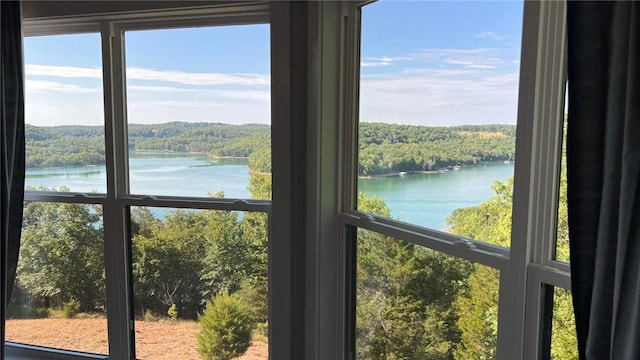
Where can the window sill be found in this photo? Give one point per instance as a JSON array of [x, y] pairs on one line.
[[17, 351]]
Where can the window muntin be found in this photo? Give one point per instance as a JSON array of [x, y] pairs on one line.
[[198, 110], [58, 297], [437, 113], [64, 113]]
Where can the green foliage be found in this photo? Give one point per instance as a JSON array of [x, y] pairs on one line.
[[564, 345], [167, 265], [192, 256], [27, 311], [61, 254], [173, 312], [383, 148], [260, 160], [404, 296], [148, 316], [491, 222], [477, 310], [60, 146], [226, 328], [71, 308], [42, 312], [391, 148]]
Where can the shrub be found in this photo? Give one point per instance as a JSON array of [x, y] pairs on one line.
[[71, 308], [22, 311], [42, 312], [173, 312], [226, 328], [148, 316]]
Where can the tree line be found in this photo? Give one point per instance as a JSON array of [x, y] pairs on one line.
[[383, 148], [75, 145]]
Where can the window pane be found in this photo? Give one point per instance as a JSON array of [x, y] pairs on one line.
[[58, 298], [182, 260], [198, 108], [564, 343], [416, 303], [438, 108], [562, 237], [64, 112]]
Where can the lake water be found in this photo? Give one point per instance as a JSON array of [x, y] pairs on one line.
[[423, 199]]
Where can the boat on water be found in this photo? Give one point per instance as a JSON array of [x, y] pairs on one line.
[[457, 167], [402, 173]]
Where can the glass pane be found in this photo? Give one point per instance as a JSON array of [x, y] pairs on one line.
[[564, 343], [562, 237], [438, 108], [64, 113], [198, 110], [416, 303], [58, 299], [188, 264]]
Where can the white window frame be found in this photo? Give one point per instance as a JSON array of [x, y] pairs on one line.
[[528, 264]]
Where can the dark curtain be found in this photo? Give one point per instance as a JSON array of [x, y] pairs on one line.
[[12, 147], [603, 164]]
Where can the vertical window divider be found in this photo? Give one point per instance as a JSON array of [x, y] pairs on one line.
[[119, 316], [350, 77], [537, 174], [513, 289]]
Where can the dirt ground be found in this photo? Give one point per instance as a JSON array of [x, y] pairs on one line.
[[161, 340]]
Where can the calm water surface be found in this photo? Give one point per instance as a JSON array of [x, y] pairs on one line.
[[423, 199]]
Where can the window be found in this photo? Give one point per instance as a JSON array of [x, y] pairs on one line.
[[311, 90], [59, 297], [148, 186], [433, 123]]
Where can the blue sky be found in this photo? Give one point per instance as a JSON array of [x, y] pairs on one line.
[[423, 62]]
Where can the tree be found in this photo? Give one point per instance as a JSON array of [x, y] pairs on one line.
[[167, 265], [477, 320], [61, 254], [404, 296]]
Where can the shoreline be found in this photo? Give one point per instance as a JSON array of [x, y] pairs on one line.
[[439, 171]]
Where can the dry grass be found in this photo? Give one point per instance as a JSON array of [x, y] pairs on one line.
[[161, 340]]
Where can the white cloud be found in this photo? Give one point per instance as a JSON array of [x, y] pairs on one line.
[[63, 71], [383, 60], [179, 77], [43, 85], [480, 58], [230, 98], [491, 35], [47, 108], [440, 97], [197, 78], [259, 95]]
